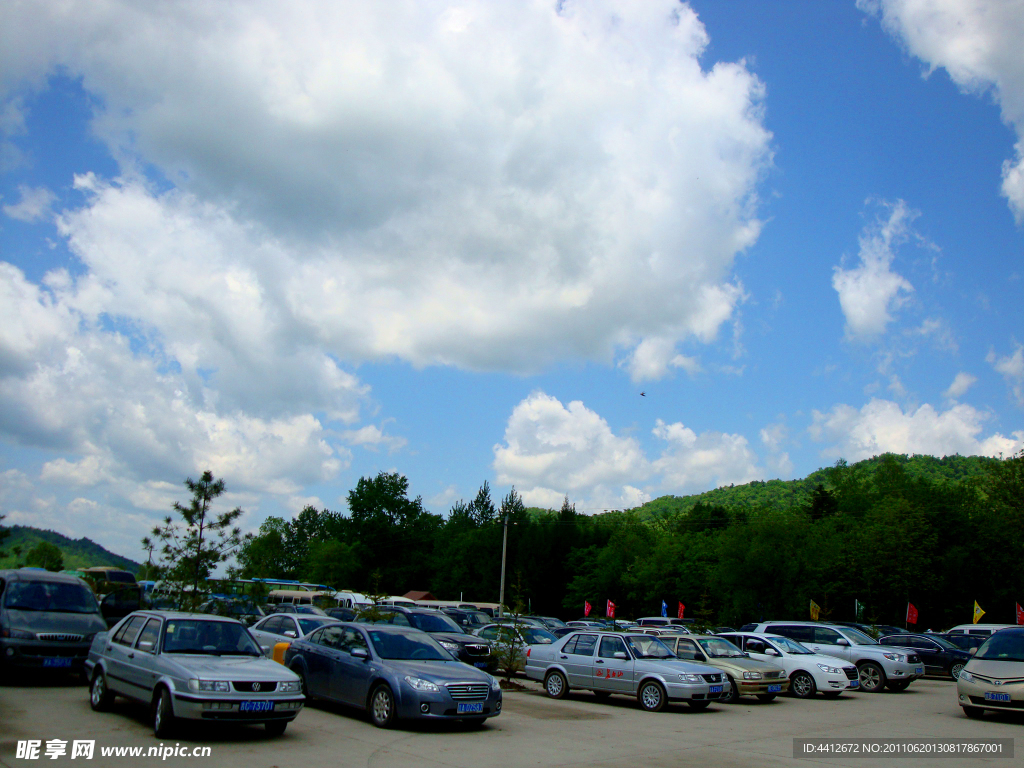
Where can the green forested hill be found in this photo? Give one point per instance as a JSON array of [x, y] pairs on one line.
[[78, 553]]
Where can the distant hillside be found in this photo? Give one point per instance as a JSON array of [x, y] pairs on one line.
[[80, 553]]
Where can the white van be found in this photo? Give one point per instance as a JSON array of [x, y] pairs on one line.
[[977, 629]]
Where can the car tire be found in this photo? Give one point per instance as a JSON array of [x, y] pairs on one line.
[[956, 669], [734, 692], [898, 687], [275, 727], [100, 696], [975, 713], [652, 696], [555, 685], [872, 677], [766, 696], [602, 694], [801, 685], [382, 706], [698, 705], [164, 724]]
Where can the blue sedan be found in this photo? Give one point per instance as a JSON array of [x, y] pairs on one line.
[[393, 672]]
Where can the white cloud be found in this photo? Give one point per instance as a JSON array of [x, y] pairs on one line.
[[871, 291], [34, 205], [1012, 369], [710, 459], [978, 42], [883, 426], [373, 437], [961, 383]]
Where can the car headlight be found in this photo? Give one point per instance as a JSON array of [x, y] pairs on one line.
[[895, 657], [209, 686], [292, 686], [452, 648], [830, 670], [966, 676], [419, 684], [691, 679], [18, 634], [495, 684], [751, 675]]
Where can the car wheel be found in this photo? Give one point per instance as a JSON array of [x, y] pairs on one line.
[[872, 677], [275, 728], [956, 669], [100, 697], [555, 685], [801, 685], [734, 692], [766, 696], [698, 705], [975, 713], [163, 715], [652, 696], [382, 706], [602, 694], [902, 685]]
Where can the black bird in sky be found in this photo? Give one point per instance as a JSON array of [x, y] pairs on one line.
[[643, 394]]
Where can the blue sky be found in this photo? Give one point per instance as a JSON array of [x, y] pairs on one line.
[[458, 241]]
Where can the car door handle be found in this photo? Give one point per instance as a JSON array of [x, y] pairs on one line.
[[563, 657], [599, 661], [110, 648], [131, 655]]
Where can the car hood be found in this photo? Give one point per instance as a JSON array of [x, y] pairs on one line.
[[674, 667], [46, 621], [1000, 670], [437, 671], [230, 667], [743, 664]]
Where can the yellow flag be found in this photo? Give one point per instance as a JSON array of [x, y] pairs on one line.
[[814, 610], [978, 613]]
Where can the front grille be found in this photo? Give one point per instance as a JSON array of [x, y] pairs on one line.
[[773, 675], [1008, 704], [851, 673], [712, 678], [478, 650], [59, 637], [61, 652], [255, 686], [467, 691]]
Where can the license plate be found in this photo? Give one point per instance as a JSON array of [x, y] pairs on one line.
[[918, 670], [256, 706], [855, 683], [715, 689], [480, 664], [470, 709], [58, 662], [774, 688], [989, 696]]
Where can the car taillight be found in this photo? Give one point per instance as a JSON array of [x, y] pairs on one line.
[[528, 652]]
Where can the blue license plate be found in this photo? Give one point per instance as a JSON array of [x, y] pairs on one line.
[[989, 696], [256, 706], [470, 709], [480, 664], [715, 689], [58, 662], [855, 683], [774, 688], [918, 670]]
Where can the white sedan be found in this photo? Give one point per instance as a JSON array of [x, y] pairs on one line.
[[808, 671]]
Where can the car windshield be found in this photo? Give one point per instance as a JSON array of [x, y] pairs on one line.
[[398, 645], [434, 622], [1003, 646], [535, 635], [212, 638], [790, 646], [649, 647], [857, 637], [308, 625], [719, 648], [51, 596]]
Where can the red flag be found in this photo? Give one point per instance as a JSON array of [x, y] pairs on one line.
[[681, 611], [587, 608], [1020, 614], [609, 610], [911, 614]]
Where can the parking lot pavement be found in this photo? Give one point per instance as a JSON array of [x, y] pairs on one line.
[[533, 731]]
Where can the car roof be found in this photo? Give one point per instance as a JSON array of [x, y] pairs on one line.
[[184, 615], [32, 574]]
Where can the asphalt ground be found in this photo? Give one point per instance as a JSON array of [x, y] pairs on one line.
[[533, 730]]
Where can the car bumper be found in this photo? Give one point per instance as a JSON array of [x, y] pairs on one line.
[[36, 654], [699, 692], [972, 694], [229, 708], [761, 687], [901, 672], [441, 706], [828, 682]]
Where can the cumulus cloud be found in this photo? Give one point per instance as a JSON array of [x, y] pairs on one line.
[[978, 43], [1012, 369], [707, 460], [883, 426], [870, 292], [34, 205], [961, 383]]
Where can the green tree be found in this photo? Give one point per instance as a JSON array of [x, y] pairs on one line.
[[332, 562], [191, 549], [4, 533], [46, 555], [482, 508]]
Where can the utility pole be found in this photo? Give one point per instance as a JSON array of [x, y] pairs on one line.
[[504, 548]]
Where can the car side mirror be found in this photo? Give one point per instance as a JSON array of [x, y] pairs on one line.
[[772, 652], [973, 651], [290, 633], [842, 641], [265, 648], [146, 645], [620, 655], [360, 653]]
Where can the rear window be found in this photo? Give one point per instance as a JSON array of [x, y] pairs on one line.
[[795, 632]]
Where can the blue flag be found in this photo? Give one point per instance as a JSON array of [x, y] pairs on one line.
[[664, 608]]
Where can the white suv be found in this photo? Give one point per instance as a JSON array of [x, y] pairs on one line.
[[880, 666]]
